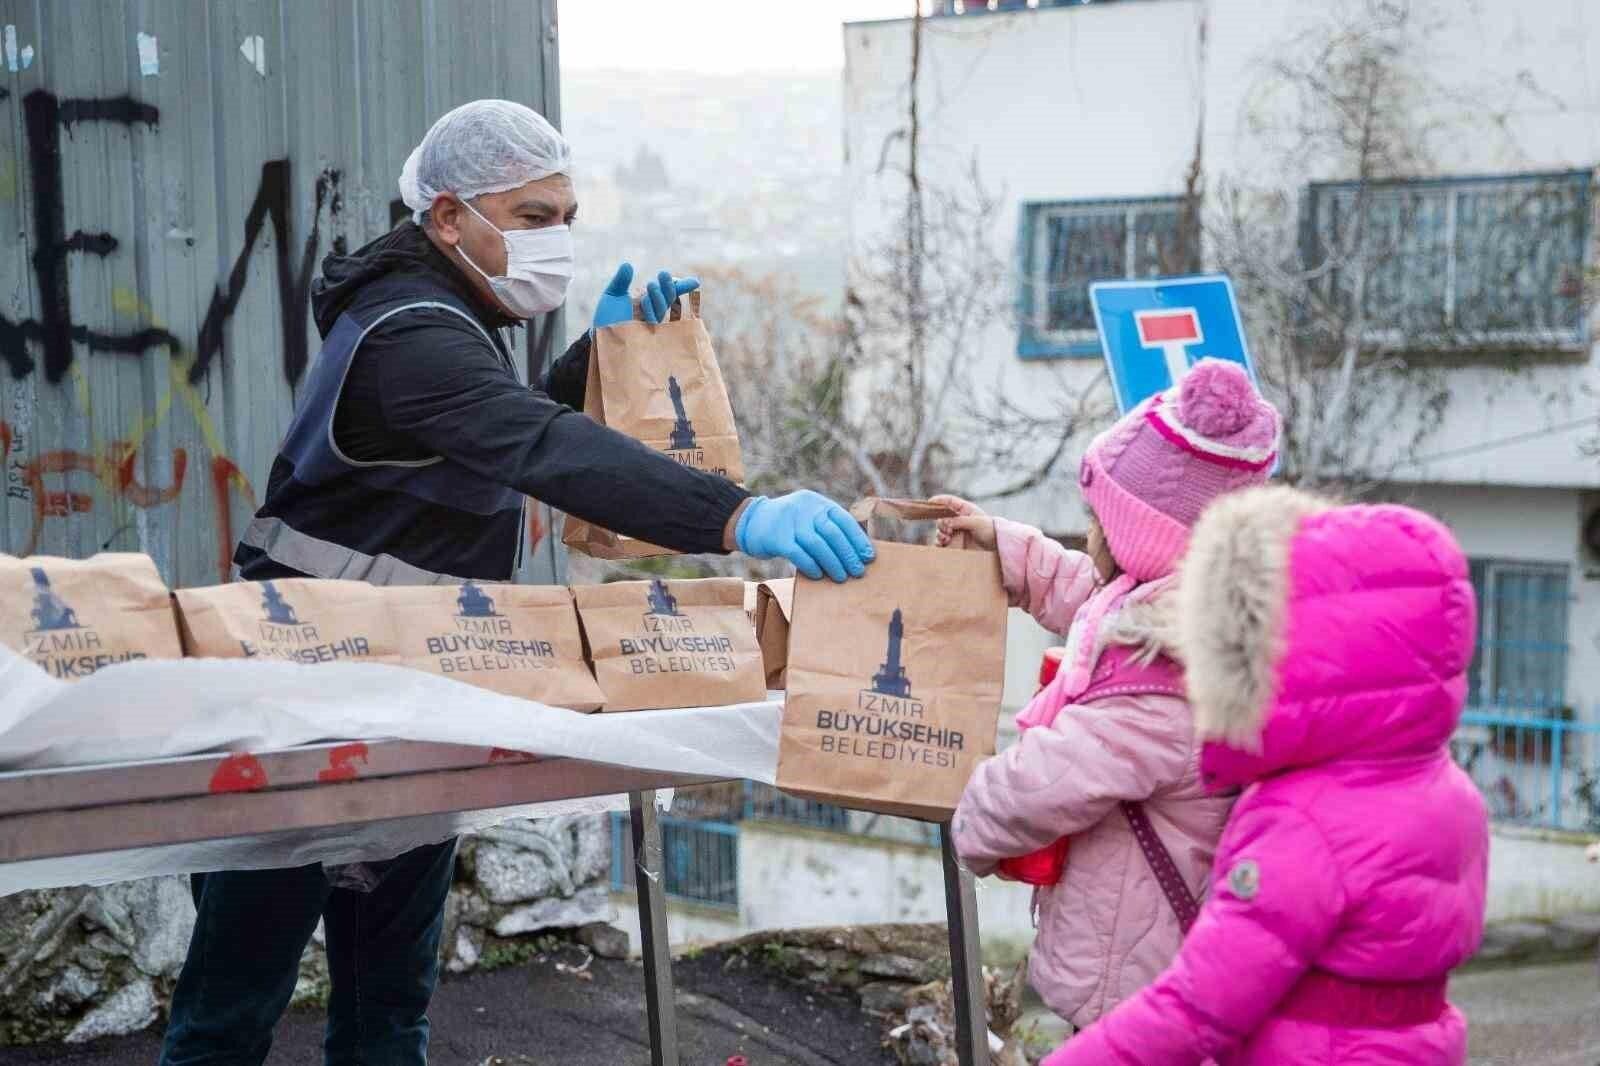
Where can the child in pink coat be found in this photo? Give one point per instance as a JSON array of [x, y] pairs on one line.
[[1327, 651], [1108, 753]]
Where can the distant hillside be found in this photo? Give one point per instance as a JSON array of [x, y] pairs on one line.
[[690, 171]]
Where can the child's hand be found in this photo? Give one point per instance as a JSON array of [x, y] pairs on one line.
[[969, 519]]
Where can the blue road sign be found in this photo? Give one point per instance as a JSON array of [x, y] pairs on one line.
[[1153, 331]]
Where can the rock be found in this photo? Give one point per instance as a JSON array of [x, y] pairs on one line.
[[1575, 932], [592, 904], [89, 959], [899, 968], [130, 1009], [510, 874], [1513, 940], [72, 987], [884, 997], [160, 911], [592, 858], [469, 946], [106, 944], [475, 909], [605, 940], [312, 986]]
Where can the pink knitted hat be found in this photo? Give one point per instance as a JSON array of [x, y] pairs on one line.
[[1149, 476]]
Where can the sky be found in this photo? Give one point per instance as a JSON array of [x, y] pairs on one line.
[[712, 36]]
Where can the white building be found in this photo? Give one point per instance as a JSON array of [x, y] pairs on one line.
[[1091, 119]]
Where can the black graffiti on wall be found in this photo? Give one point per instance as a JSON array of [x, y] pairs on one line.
[[54, 332], [294, 279]]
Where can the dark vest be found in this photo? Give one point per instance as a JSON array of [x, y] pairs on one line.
[[420, 522]]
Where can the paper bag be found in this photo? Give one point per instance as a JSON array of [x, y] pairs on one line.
[[774, 608], [894, 679], [73, 617], [661, 385], [671, 643], [297, 620], [520, 640]]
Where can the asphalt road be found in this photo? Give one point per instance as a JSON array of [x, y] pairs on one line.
[[1534, 1016], [537, 1016]]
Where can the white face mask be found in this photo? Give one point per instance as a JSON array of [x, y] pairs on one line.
[[538, 268]]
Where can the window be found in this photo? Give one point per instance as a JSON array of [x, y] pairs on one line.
[[1065, 246], [1461, 263], [1521, 658]]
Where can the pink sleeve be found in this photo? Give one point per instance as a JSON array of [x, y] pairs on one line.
[[1237, 962], [1063, 778], [1043, 577]]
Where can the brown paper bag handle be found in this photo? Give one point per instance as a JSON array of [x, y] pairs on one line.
[[868, 507], [685, 306]]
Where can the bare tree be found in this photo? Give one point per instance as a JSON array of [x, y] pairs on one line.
[[1345, 292]]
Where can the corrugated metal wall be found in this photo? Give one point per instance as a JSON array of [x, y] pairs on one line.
[[174, 171]]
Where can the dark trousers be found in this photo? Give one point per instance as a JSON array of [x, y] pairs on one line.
[[251, 929]]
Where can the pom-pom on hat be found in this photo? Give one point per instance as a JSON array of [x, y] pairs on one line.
[[1149, 476]]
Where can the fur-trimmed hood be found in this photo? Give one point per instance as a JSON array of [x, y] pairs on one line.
[[1313, 632]]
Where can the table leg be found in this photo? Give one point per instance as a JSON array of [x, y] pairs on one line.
[[966, 970], [654, 943]]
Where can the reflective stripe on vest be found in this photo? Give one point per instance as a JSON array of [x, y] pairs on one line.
[[322, 558]]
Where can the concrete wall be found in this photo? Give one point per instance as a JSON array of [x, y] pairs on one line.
[[791, 877], [1542, 876]]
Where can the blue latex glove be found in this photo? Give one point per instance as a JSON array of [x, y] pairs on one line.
[[808, 529], [616, 305]]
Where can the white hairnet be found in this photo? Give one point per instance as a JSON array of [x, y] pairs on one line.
[[486, 146]]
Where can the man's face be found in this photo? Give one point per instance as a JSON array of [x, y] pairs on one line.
[[547, 202]]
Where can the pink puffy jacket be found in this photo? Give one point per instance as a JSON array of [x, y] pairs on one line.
[[1105, 930], [1351, 878]]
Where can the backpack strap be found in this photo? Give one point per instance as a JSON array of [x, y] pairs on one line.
[[1120, 674], [1173, 886]]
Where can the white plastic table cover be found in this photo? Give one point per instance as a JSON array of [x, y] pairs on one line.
[[155, 710]]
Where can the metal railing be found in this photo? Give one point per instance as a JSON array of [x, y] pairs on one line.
[[699, 859], [1535, 765]]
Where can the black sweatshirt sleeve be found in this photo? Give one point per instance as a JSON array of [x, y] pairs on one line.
[[566, 380], [444, 386]]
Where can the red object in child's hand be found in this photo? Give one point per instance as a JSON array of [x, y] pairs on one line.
[[1042, 867], [1050, 666]]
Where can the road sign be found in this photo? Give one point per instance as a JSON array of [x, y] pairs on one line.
[[1152, 331]]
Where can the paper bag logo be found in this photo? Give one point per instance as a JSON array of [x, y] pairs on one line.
[[891, 679], [275, 610], [485, 640], [683, 445], [280, 634], [49, 611], [682, 429], [58, 642], [669, 643], [474, 602], [887, 723], [662, 601]]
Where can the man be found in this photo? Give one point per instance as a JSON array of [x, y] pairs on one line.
[[408, 461]]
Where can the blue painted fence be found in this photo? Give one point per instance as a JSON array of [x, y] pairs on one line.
[[1536, 764]]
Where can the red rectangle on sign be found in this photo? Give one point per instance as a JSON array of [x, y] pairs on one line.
[[1177, 326]]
